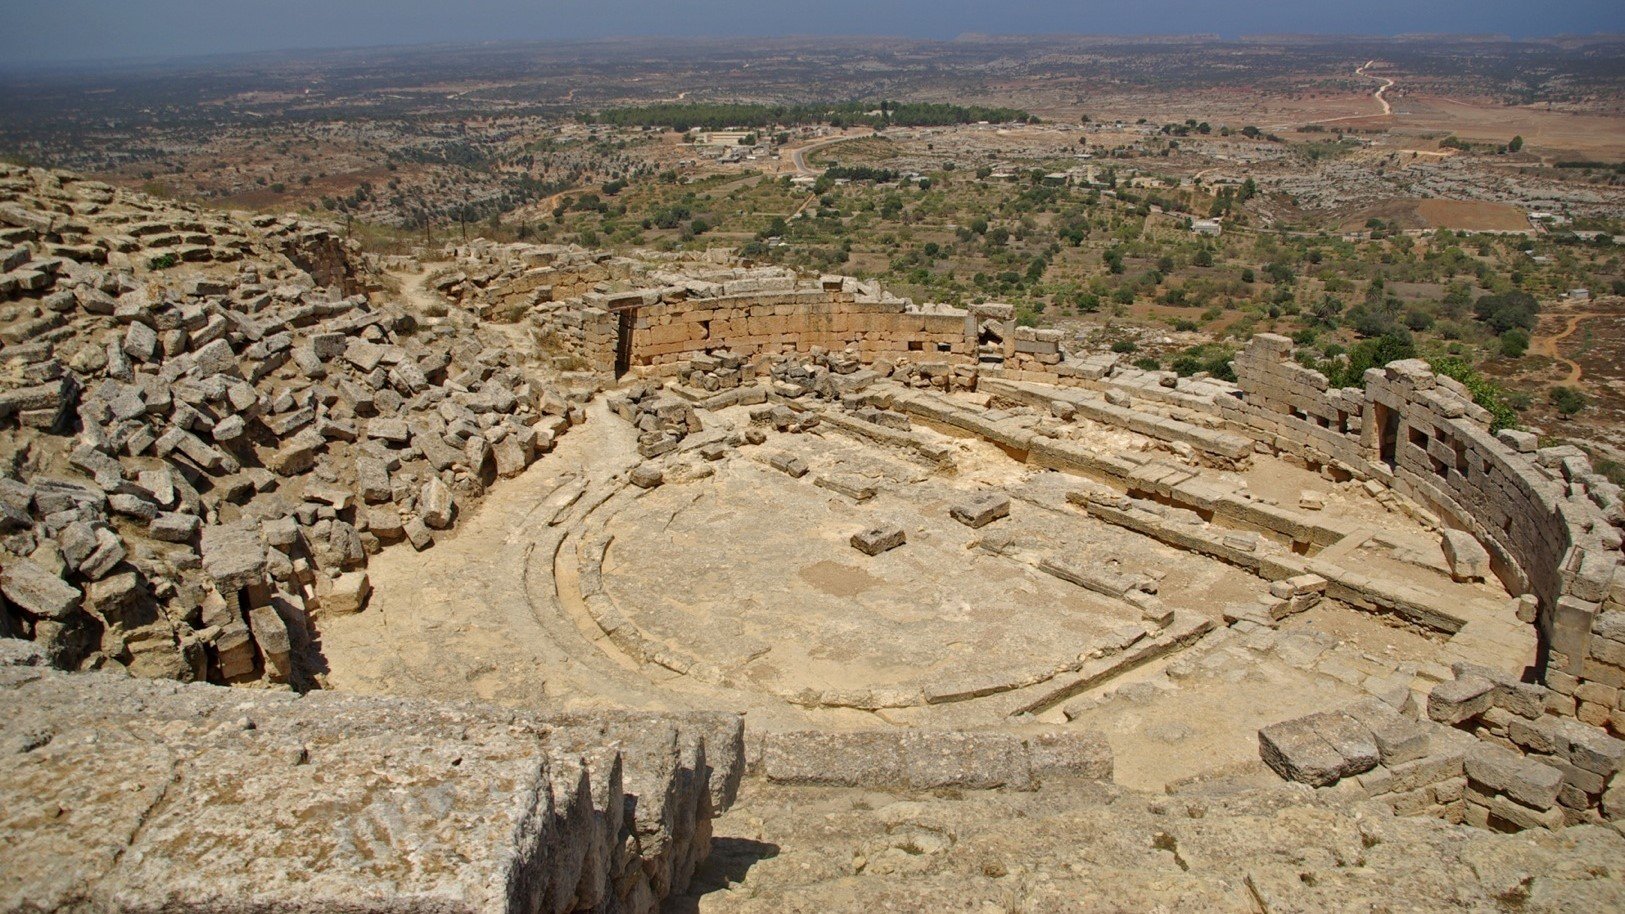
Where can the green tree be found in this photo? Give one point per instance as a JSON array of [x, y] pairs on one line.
[[1372, 353], [1516, 144], [1507, 310], [1568, 400], [1515, 342]]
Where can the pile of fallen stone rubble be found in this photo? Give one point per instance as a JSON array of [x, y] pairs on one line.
[[196, 459], [662, 421], [832, 375]]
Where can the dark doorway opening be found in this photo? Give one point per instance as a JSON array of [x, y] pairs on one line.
[[626, 319], [1387, 434]]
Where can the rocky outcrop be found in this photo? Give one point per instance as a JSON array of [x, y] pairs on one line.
[[1090, 847], [129, 794]]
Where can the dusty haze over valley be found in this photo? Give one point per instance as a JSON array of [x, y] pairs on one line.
[[478, 463]]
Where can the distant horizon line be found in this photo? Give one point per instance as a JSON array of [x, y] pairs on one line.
[[86, 63]]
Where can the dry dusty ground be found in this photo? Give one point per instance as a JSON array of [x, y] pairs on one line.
[[1472, 215], [1587, 136]]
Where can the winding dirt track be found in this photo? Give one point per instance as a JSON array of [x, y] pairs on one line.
[[1387, 109], [1548, 345]]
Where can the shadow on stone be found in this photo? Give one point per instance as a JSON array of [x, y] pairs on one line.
[[730, 860]]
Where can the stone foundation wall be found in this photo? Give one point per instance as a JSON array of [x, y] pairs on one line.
[[755, 324], [672, 324], [1549, 523], [1488, 752], [928, 759], [585, 335]]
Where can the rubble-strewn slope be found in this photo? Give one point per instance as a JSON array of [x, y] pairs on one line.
[[207, 428], [1094, 848]]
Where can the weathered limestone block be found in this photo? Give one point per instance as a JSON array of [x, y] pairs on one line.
[[140, 342], [931, 759], [1350, 738], [647, 476], [875, 540], [37, 590], [296, 456], [853, 487], [1297, 753], [348, 594], [1318, 749], [981, 509], [788, 463], [1505, 810], [234, 651], [1588, 748], [372, 480], [275, 644], [1509, 694], [384, 522], [1070, 753], [1456, 700], [1467, 559], [393, 431], [108, 551], [436, 504], [515, 452], [236, 801], [233, 556], [971, 760], [1399, 738], [1523, 779], [418, 534]]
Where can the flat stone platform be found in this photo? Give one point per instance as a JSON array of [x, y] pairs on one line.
[[751, 570]]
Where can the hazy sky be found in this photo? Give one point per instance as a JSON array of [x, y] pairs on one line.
[[68, 30]]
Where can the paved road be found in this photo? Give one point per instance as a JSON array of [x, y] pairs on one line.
[[798, 157]]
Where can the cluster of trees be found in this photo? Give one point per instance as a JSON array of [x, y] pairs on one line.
[[1511, 317], [1454, 142], [861, 173], [1213, 359], [453, 152], [1590, 164], [722, 116]]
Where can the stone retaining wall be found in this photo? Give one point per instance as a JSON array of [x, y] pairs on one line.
[[1548, 521], [674, 324], [765, 323], [929, 759]]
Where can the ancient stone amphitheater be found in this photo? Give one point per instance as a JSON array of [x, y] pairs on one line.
[[528, 578]]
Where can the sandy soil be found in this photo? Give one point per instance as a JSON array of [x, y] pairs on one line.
[[1473, 215], [1552, 132]]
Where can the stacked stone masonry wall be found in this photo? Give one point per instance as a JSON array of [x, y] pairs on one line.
[[772, 323], [1549, 523]]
